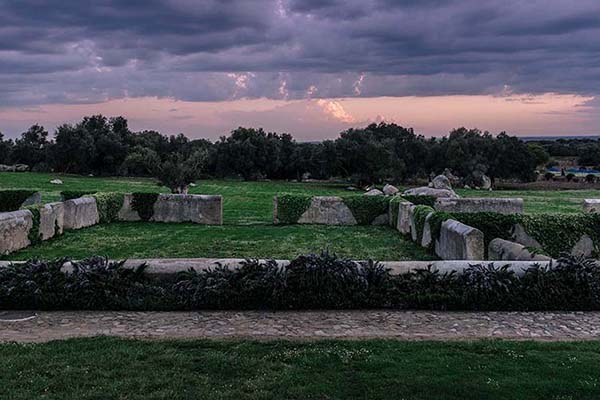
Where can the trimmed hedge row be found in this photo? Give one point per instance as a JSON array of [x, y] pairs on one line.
[[11, 200], [75, 194], [365, 209], [557, 233], [308, 282], [108, 204], [143, 203]]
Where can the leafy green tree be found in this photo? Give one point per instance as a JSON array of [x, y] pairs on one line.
[[178, 172], [31, 148]]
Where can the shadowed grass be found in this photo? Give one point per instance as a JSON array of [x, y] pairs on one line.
[[110, 368], [148, 240]]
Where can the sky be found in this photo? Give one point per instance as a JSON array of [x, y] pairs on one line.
[[311, 68]]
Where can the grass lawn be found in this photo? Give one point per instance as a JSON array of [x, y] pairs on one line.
[[107, 368], [121, 240]]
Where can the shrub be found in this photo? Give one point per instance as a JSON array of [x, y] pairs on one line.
[[74, 194], [34, 233], [109, 205], [394, 205], [143, 203], [590, 178], [290, 207], [570, 176], [11, 200], [421, 200], [549, 176], [366, 208], [308, 282]]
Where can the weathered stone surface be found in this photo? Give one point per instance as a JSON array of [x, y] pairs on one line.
[[327, 210], [441, 182], [404, 217], [127, 213], [483, 204], [413, 224], [519, 235], [35, 198], [374, 192], [380, 220], [51, 220], [427, 191], [591, 205], [459, 242], [201, 209], [80, 213], [503, 250], [56, 182], [14, 230], [485, 183], [426, 239], [390, 190], [584, 247]]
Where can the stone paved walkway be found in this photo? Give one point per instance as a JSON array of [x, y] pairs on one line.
[[408, 325]]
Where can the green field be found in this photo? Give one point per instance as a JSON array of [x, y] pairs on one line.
[[247, 229], [105, 368]]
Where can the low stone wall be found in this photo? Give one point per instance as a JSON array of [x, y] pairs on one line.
[[201, 209], [80, 213], [327, 210], [127, 213], [403, 222], [14, 230], [458, 241], [35, 198], [52, 220], [482, 204], [168, 268], [503, 250], [591, 205]]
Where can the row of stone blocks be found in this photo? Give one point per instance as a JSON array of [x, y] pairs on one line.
[[456, 241], [82, 212]]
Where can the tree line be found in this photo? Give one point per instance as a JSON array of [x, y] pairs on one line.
[[378, 152]]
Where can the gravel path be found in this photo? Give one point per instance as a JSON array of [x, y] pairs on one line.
[[407, 325]]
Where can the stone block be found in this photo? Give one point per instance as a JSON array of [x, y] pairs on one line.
[[459, 242], [80, 213], [327, 210], [504, 250], [127, 213], [403, 223], [483, 204], [52, 216], [35, 198], [201, 209], [426, 239], [591, 205], [14, 230]]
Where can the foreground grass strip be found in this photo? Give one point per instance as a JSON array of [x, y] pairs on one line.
[[133, 369], [120, 240]]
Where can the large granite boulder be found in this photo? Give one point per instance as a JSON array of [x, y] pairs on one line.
[[584, 247], [504, 250], [201, 209], [80, 213], [14, 230], [441, 182], [127, 213], [390, 190], [459, 242], [374, 192], [327, 210], [519, 234], [591, 205], [427, 191], [52, 219]]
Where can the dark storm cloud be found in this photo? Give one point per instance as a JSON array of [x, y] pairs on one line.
[[75, 51]]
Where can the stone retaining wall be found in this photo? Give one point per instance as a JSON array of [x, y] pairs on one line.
[[327, 210], [483, 204], [14, 230], [80, 213], [458, 241]]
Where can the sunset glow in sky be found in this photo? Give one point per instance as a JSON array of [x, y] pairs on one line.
[[307, 67]]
